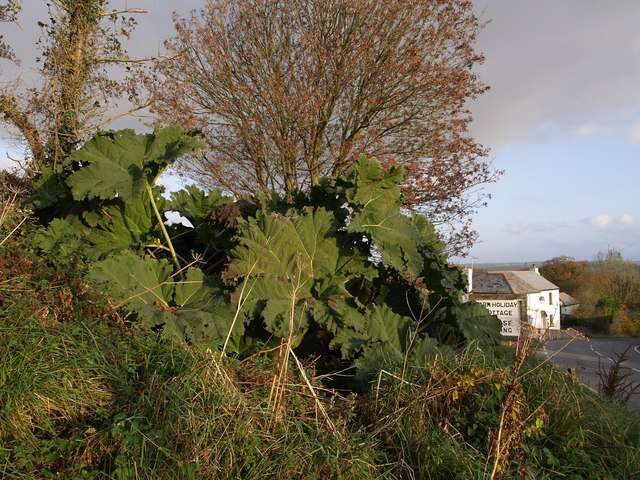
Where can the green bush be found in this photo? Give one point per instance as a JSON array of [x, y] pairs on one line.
[[341, 271]]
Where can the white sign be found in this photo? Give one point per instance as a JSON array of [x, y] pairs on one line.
[[508, 311]]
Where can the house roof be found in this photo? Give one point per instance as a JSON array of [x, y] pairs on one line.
[[567, 300], [528, 281], [485, 282], [510, 281]]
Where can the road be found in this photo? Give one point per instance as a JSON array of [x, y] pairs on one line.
[[586, 356]]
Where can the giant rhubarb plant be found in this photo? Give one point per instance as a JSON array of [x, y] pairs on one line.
[[342, 269]]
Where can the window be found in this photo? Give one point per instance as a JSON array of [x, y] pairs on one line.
[[550, 298]]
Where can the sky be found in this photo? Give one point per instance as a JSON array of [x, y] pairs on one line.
[[562, 119]]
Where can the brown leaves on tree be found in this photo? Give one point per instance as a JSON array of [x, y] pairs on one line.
[[288, 91]]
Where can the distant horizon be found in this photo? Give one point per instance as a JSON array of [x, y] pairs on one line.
[[523, 263]]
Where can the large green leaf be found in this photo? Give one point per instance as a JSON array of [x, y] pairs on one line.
[[119, 164], [204, 314], [369, 181], [292, 264], [460, 323], [124, 226], [112, 228], [374, 196], [393, 342], [192, 309], [135, 281], [195, 204], [50, 191], [210, 233], [63, 241]]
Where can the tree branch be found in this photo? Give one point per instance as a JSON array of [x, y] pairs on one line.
[[134, 11], [125, 60], [10, 113]]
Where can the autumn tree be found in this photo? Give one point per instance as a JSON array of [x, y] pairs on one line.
[[567, 273], [288, 91], [81, 41], [619, 279]]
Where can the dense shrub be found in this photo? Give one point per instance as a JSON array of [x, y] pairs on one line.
[[341, 271]]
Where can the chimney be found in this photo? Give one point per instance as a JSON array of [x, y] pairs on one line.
[[469, 279]]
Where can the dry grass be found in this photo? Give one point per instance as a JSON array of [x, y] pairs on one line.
[[11, 215]]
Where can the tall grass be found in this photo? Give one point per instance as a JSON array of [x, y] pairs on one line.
[[10, 199], [445, 424], [82, 401]]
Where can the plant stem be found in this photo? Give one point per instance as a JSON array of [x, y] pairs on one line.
[[162, 227]]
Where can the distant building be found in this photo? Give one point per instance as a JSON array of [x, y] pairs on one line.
[[517, 296], [568, 305]]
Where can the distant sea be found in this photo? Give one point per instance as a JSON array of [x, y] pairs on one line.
[[509, 265], [502, 266]]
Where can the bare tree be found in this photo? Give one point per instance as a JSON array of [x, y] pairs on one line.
[[80, 42], [288, 91]]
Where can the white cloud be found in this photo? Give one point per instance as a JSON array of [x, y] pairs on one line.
[[586, 130], [635, 133], [626, 219], [565, 64], [601, 221]]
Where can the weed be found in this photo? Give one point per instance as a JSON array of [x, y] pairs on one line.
[[616, 380]]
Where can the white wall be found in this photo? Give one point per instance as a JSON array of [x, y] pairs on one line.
[[539, 304]]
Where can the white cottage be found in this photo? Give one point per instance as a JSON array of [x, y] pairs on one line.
[[516, 296]]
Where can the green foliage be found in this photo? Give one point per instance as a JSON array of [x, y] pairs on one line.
[[195, 204], [208, 212], [120, 164], [609, 306], [374, 198], [344, 264], [62, 241], [297, 270], [50, 191], [104, 192], [193, 309], [122, 226]]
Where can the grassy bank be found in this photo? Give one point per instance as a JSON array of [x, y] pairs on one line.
[[85, 396], [80, 400]]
